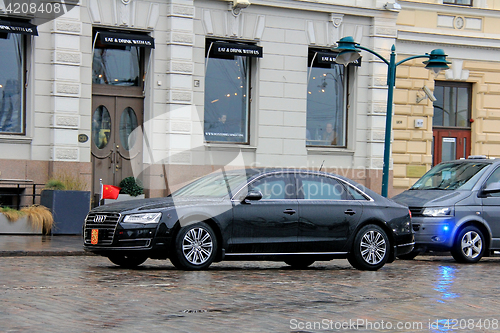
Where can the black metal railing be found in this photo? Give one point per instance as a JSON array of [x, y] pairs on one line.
[[17, 193]]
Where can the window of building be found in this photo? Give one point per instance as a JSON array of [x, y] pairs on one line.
[[227, 90], [117, 61], [458, 2], [12, 116], [326, 100], [452, 107]]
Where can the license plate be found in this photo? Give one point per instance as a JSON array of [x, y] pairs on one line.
[[95, 236]]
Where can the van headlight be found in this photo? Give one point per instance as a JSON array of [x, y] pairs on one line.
[[142, 218], [438, 211]]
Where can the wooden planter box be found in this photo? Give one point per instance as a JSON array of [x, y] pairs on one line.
[[69, 209], [21, 227]]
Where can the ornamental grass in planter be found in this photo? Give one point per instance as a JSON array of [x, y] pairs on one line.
[[12, 214], [38, 217], [66, 182]]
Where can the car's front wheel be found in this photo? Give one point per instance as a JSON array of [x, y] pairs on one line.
[[195, 247], [469, 246], [127, 261], [370, 250]]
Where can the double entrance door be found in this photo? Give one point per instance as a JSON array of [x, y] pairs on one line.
[[450, 144], [116, 147]]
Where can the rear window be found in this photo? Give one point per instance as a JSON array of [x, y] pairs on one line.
[[451, 176]]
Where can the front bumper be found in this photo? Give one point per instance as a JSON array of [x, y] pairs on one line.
[[108, 235], [434, 233]]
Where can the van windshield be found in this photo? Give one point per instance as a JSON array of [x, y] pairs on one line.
[[451, 176]]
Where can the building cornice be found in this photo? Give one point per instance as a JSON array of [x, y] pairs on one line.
[[471, 41], [449, 9], [320, 6]]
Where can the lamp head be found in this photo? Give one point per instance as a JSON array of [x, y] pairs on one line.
[[437, 61], [348, 51]]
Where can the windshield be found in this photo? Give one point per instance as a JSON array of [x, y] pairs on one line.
[[214, 185], [451, 176]]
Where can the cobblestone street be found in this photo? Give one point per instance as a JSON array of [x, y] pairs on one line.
[[89, 294]]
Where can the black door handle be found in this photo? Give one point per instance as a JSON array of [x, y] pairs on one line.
[[289, 211], [349, 212]]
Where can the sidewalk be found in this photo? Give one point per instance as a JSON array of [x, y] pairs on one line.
[[36, 245]]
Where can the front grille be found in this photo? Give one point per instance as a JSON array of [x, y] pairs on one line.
[[105, 223], [416, 211]]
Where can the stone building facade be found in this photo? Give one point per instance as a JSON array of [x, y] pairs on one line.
[[170, 90], [468, 33]]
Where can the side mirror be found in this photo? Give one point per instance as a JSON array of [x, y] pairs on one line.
[[253, 196], [492, 188]]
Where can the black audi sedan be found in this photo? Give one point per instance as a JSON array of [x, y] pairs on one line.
[[295, 216]]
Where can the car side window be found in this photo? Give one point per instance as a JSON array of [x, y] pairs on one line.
[[272, 187], [317, 187], [494, 178], [355, 194]]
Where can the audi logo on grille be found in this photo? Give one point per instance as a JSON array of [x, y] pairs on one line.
[[99, 218]]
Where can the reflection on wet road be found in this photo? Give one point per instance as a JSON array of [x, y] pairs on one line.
[[444, 283], [87, 294]]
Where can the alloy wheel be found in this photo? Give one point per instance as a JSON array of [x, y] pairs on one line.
[[472, 244], [373, 247], [197, 246]]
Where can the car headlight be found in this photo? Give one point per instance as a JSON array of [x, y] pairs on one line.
[[438, 211], [142, 218]]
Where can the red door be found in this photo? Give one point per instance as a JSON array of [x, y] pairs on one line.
[[450, 144]]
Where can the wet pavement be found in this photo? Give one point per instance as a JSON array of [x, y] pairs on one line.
[[89, 294], [37, 245]]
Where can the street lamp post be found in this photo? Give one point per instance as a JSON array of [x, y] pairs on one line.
[[349, 52]]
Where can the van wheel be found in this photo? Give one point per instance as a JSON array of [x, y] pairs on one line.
[[469, 246]]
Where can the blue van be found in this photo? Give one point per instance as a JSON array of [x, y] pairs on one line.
[[455, 207]]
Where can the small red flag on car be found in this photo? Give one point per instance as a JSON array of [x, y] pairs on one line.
[[110, 191]]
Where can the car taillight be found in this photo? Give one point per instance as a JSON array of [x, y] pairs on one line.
[[409, 211]]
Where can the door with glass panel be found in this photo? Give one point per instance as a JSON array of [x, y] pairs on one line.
[[450, 145], [117, 105], [451, 121], [116, 148]]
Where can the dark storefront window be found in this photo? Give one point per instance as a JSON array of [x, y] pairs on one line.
[[117, 64], [326, 97], [227, 91], [12, 83]]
